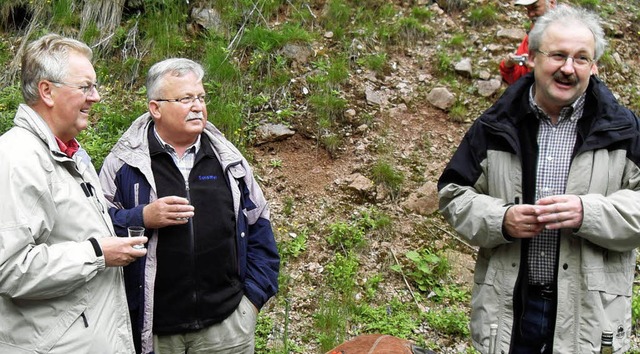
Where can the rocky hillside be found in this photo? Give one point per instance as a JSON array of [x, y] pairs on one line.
[[417, 110], [367, 190]]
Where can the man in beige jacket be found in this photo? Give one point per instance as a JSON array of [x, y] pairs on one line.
[[61, 285]]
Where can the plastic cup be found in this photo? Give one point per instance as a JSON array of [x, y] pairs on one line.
[[135, 231]]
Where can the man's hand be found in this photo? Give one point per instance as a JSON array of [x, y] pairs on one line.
[[119, 251], [167, 211], [513, 59], [560, 211], [521, 221]]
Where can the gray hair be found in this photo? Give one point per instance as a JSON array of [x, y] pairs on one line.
[[177, 67], [569, 15], [46, 58]]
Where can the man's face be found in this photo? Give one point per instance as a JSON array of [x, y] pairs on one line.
[[538, 9], [559, 83], [70, 109], [179, 123]]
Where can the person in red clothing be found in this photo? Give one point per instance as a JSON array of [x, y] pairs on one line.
[[511, 69]]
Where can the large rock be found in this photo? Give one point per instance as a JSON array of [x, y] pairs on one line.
[[270, 132], [487, 88], [441, 98], [424, 201]]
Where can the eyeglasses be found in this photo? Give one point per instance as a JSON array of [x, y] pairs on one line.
[[558, 58], [184, 100], [86, 89]]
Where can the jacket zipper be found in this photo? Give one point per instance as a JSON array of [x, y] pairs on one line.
[[192, 241]]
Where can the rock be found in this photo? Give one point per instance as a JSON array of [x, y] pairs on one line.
[[424, 201], [517, 34], [489, 87], [208, 18], [464, 67], [484, 75], [441, 97], [269, 132], [375, 97], [299, 53]]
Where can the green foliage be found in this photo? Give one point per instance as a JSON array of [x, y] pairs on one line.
[[385, 174], [444, 63], [422, 14], [452, 5], [635, 307], [63, 13], [451, 293], [10, 98], [287, 209], [164, 26], [394, 318], [428, 268], [409, 30], [458, 112], [374, 62], [330, 323], [337, 17], [294, 245], [342, 273], [348, 236], [483, 15], [589, 4], [109, 123], [449, 320]]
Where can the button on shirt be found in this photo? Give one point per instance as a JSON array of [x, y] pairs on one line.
[[184, 163], [555, 147]]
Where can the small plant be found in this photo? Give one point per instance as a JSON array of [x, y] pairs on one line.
[[375, 62], [458, 112], [348, 236], [422, 13], [449, 320], [635, 307], [451, 293], [394, 318], [385, 174], [342, 274], [371, 286], [294, 245], [330, 323], [444, 63], [483, 16], [409, 30], [452, 5], [428, 269], [287, 209], [10, 98], [589, 4], [457, 40]]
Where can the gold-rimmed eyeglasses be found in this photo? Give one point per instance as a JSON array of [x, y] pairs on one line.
[[86, 89], [558, 58], [184, 100]]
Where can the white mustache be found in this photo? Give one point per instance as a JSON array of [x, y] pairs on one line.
[[195, 115]]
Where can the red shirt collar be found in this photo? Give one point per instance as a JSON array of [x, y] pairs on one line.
[[69, 148]]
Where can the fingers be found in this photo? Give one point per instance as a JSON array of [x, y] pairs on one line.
[[172, 199], [559, 211], [119, 251]]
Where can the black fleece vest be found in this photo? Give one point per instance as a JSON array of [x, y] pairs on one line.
[[197, 281]]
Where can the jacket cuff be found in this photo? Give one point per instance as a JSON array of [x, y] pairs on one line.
[[96, 246]]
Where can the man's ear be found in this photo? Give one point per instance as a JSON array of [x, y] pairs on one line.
[[154, 109], [45, 89]]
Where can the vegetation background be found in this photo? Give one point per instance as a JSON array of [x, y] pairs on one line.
[[352, 78]]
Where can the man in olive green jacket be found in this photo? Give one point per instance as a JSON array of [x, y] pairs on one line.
[[547, 183]]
